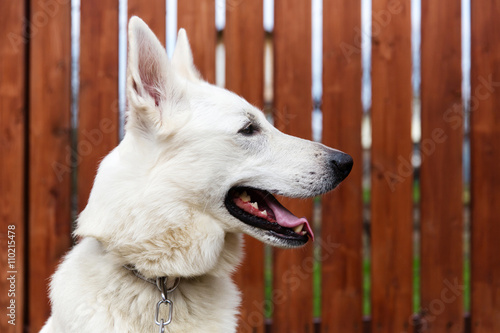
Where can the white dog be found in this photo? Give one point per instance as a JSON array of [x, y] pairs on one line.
[[197, 167]]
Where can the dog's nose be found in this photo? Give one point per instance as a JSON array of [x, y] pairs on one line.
[[341, 164]]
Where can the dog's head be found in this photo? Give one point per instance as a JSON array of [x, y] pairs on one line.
[[194, 151]]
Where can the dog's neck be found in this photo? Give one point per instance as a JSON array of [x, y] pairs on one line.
[[229, 259], [103, 287], [186, 243]]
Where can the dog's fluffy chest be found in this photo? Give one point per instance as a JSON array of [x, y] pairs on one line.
[[102, 296]]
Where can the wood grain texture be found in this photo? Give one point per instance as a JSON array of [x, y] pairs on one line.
[[98, 102], [153, 12], [12, 168], [49, 152], [342, 218], [293, 269], [392, 176], [244, 42], [441, 169], [485, 139], [198, 18]]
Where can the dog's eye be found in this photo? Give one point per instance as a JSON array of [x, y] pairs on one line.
[[249, 129]]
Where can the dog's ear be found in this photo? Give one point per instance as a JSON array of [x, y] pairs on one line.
[[150, 78], [182, 60]]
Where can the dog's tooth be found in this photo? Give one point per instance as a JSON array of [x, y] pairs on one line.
[[255, 205], [298, 228], [244, 196], [264, 212]]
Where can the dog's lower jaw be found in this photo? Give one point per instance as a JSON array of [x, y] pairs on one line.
[[112, 299]]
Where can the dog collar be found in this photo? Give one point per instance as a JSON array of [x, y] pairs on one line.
[[139, 275], [153, 281], [162, 284]]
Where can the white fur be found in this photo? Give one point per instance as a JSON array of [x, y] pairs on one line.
[[157, 200]]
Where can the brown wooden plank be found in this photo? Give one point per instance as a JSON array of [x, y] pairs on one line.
[[12, 168], [392, 177], [98, 103], [441, 251], [198, 18], [292, 277], [153, 12], [485, 139], [244, 42], [49, 151], [342, 210]]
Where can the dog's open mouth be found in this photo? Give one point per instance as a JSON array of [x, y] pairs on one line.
[[261, 209]]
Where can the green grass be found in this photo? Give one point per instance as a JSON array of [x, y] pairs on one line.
[[268, 281], [366, 287]]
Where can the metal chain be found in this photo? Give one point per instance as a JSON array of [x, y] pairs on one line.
[[161, 283]]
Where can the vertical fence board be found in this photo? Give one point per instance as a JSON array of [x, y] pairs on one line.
[[198, 18], [153, 12], [441, 185], [98, 104], [49, 151], [12, 168], [244, 42], [392, 177], [293, 269], [485, 139], [342, 211]]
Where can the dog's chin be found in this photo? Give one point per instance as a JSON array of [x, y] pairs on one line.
[[274, 239], [265, 219]]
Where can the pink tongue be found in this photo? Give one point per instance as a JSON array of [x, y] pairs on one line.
[[286, 219]]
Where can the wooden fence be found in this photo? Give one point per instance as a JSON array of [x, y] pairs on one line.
[[39, 153]]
